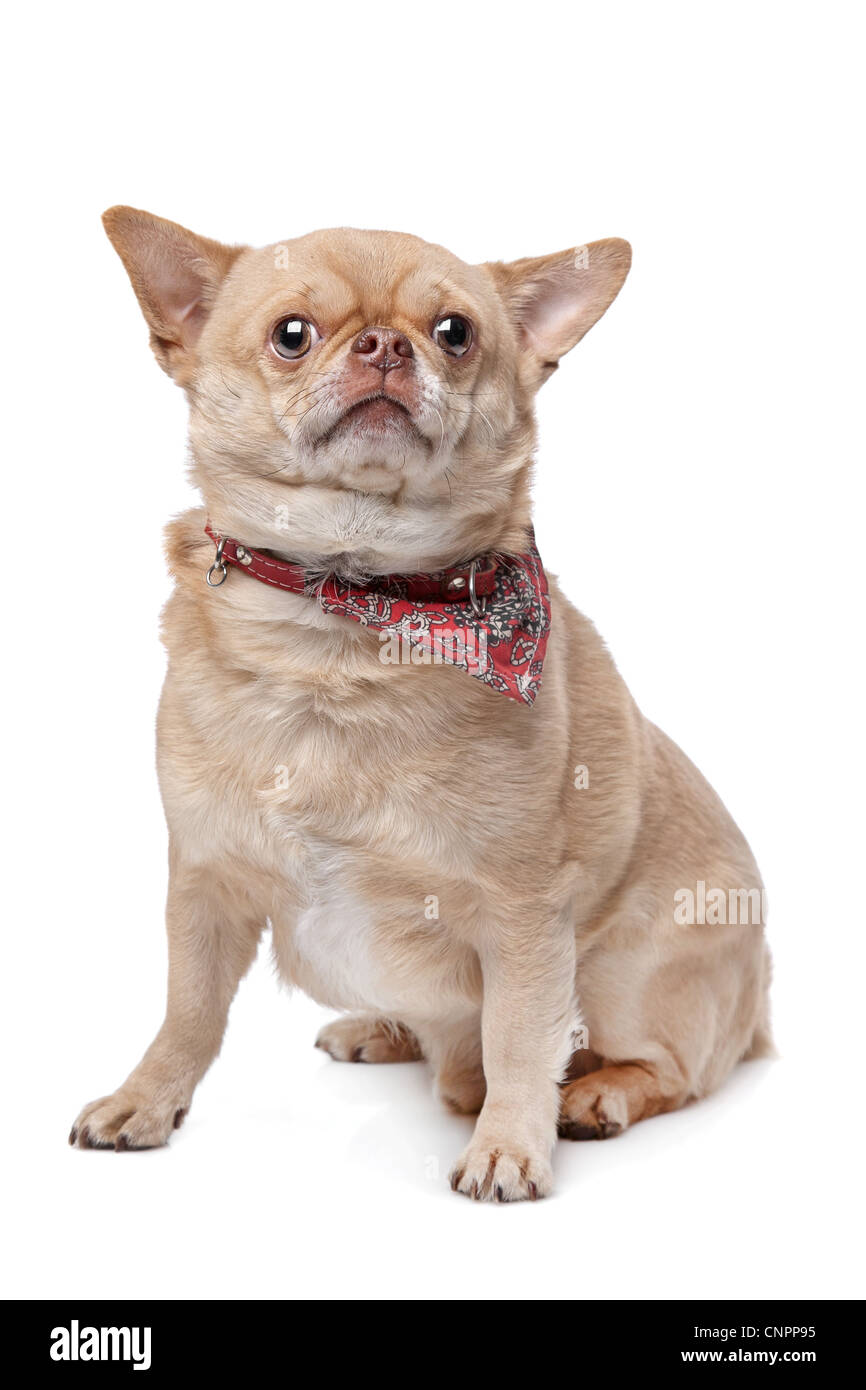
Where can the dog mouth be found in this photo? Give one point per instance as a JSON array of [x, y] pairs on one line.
[[373, 414]]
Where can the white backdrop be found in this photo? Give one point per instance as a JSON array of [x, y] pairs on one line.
[[699, 493]]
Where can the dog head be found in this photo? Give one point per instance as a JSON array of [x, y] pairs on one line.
[[361, 401]]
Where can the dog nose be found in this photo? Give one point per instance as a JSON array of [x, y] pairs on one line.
[[384, 348]]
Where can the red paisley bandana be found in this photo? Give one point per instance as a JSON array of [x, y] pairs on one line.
[[501, 639]]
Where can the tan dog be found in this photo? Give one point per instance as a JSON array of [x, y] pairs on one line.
[[361, 403]]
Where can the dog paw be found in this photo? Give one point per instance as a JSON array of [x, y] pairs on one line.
[[504, 1173], [365, 1038], [589, 1110], [127, 1120]]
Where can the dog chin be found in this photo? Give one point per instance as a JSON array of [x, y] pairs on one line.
[[392, 444]]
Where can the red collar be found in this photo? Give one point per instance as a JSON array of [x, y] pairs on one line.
[[490, 618], [455, 585]]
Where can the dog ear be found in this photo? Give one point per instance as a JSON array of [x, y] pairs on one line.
[[556, 299], [176, 276]]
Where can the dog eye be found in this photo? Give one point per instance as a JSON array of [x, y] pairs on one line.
[[293, 338], [453, 335]]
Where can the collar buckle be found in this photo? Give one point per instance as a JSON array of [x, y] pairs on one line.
[[219, 566]]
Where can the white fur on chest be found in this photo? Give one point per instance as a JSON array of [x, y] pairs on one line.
[[335, 951]]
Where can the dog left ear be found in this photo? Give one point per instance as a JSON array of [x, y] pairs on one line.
[[556, 299]]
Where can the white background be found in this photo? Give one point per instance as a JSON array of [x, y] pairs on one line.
[[699, 493]]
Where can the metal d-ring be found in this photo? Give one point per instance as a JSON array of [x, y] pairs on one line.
[[479, 607], [218, 567]]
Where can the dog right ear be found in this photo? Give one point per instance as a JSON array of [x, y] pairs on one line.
[[176, 276]]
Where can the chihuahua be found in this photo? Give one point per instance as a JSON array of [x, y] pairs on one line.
[[384, 731]]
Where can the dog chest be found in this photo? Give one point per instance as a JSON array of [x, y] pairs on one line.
[[336, 957]]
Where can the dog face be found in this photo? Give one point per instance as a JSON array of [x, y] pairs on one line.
[[361, 401]]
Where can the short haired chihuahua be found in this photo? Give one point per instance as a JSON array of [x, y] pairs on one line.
[[386, 733]]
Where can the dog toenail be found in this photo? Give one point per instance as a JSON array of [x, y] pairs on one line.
[[577, 1131]]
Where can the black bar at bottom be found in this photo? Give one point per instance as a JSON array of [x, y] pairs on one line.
[[75, 1338]]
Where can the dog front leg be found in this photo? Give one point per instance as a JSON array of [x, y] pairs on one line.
[[527, 1017], [212, 942]]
